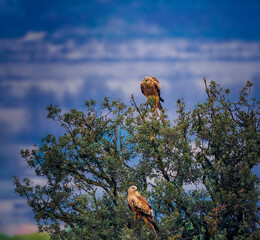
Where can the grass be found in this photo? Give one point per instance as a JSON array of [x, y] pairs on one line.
[[34, 236]]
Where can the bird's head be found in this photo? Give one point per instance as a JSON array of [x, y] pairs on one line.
[[132, 189], [146, 80]]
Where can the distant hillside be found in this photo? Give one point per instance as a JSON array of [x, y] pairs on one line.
[[34, 236]]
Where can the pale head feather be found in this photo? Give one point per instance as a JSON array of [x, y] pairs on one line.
[[132, 189]]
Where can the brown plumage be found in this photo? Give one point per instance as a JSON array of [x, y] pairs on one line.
[[141, 207], [150, 87]]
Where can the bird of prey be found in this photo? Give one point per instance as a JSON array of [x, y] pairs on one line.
[[150, 87], [141, 207]]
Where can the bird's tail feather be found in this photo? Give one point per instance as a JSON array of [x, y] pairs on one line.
[[161, 99], [152, 224]]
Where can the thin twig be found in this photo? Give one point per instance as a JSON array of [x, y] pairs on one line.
[[206, 86], [160, 116], [208, 93], [134, 104]]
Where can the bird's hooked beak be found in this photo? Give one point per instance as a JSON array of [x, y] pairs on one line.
[[145, 80]]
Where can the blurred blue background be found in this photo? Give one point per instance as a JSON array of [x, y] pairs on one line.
[[64, 52]]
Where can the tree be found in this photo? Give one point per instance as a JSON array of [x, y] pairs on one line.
[[110, 146]]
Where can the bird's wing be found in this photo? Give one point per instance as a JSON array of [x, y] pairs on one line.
[[157, 88], [130, 203], [142, 88], [142, 205]]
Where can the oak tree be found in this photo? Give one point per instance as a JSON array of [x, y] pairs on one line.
[[196, 171]]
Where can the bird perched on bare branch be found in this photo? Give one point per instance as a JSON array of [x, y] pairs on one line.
[[150, 87], [141, 207]]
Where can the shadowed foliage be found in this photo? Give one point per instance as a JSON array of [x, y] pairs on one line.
[[195, 171]]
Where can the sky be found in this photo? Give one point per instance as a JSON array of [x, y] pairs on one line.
[[63, 52]]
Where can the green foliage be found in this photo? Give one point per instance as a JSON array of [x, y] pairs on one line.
[[109, 147], [34, 236], [4, 236]]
